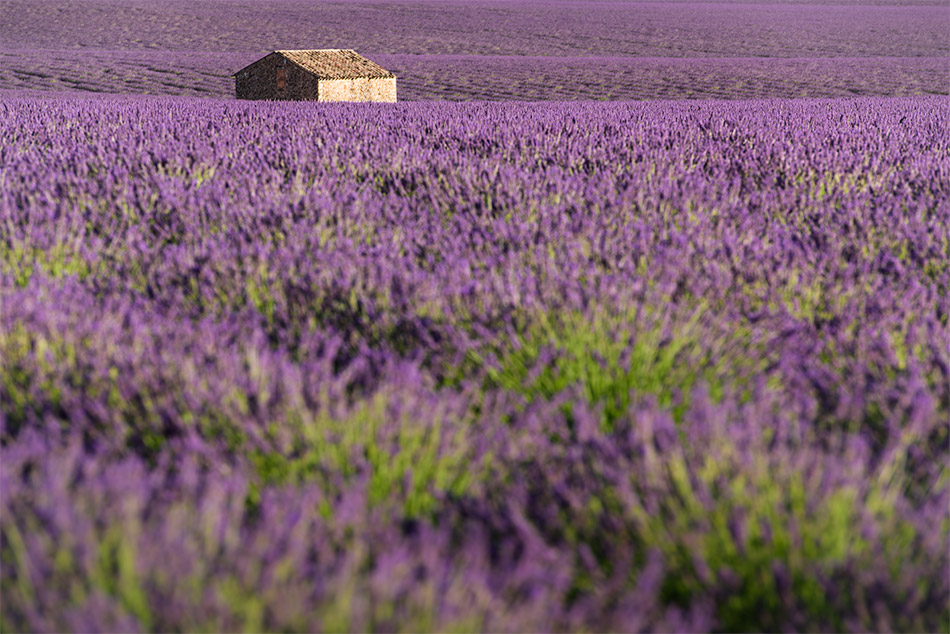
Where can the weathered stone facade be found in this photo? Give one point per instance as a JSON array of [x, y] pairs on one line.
[[275, 77], [318, 75], [382, 89]]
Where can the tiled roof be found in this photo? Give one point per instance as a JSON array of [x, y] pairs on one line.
[[336, 63]]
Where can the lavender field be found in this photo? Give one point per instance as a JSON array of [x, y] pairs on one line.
[[656, 366], [554, 359], [495, 77]]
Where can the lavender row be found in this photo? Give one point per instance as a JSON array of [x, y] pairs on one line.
[[666, 29], [665, 366], [497, 78]]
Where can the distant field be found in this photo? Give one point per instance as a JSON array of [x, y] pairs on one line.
[[493, 27], [490, 50], [499, 78]]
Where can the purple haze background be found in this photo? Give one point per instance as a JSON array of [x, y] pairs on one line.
[[661, 366], [492, 50]]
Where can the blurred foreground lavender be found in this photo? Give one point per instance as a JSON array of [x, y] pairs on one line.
[[474, 367]]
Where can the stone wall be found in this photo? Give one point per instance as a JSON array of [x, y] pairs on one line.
[[383, 90], [260, 81]]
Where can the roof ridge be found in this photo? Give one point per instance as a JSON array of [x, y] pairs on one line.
[[312, 50], [332, 63]]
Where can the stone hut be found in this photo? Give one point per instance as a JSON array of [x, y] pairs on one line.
[[315, 75]]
